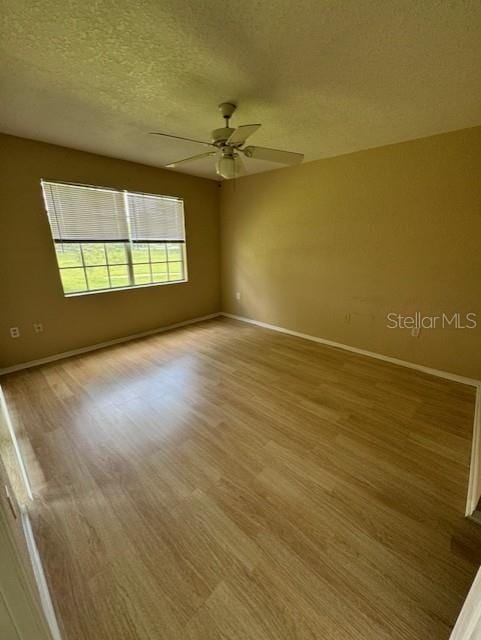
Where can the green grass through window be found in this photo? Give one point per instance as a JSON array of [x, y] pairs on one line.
[[98, 266]]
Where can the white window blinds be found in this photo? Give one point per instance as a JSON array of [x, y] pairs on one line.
[[85, 214], [80, 213], [155, 218]]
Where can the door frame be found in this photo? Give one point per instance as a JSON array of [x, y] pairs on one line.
[[469, 619]]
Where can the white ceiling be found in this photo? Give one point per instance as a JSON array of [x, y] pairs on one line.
[[324, 77]]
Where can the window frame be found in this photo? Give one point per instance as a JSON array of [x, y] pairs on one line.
[[127, 246]]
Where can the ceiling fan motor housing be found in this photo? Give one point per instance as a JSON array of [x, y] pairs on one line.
[[220, 136]]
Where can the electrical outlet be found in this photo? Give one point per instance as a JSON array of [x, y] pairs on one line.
[[38, 327], [237, 295], [14, 332]]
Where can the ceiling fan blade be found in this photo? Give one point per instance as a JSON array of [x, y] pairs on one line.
[[240, 135], [171, 165], [168, 135], [273, 155]]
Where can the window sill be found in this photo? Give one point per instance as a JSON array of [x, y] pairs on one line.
[[113, 290]]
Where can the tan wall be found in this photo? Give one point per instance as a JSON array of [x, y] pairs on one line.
[[330, 247], [327, 248], [30, 288]]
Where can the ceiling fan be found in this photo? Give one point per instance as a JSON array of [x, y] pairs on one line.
[[229, 143]]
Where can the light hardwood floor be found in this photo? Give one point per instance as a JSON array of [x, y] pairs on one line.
[[223, 481]]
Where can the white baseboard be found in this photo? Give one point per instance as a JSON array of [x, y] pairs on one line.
[[338, 345], [44, 593], [102, 345]]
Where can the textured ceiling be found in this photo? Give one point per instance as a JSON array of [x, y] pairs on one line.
[[324, 77]]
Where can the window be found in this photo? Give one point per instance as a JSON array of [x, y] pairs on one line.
[[107, 239]]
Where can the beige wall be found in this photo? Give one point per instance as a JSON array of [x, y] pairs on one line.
[[30, 288], [330, 247], [327, 248]]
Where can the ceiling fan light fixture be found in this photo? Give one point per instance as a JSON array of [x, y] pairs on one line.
[[226, 166]]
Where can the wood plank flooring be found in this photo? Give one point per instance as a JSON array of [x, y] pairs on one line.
[[223, 481]]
